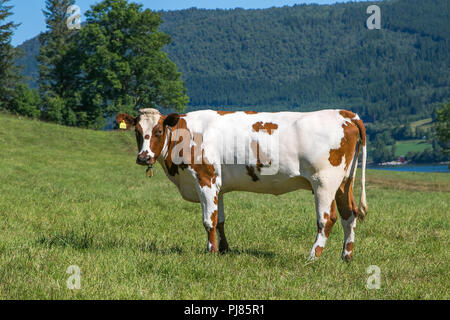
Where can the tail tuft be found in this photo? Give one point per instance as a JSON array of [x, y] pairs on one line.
[[362, 209]]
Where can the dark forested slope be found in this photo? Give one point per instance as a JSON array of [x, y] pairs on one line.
[[308, 57]]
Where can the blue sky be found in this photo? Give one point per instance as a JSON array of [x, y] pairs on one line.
[[29, 12]]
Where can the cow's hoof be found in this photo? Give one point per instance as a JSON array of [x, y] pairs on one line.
[[347, 257], [211, 248], [223, 248], [312, 258]]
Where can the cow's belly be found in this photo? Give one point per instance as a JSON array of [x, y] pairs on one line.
[[237, 178], [240, 179], [273, 187]]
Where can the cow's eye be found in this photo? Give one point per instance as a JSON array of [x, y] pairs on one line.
[[158, 133]]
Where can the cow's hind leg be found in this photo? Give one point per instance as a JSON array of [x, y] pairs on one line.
[[326, 218], [223, 244], [348, 211]]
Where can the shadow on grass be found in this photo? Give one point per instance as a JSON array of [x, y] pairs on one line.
[[79, 241], [68, 239], [85, 240], [251, 252], [153, 248]]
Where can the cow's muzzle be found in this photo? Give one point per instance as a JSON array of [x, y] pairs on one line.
[[144, 159]]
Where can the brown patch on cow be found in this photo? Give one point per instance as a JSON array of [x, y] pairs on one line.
[[330, 220], [204, 170], [139, 139], [158, 138], [345, 200], [347, 147], [347, 114], [198, 161], [349, 247], [222, 113], [362, 130], [212, 238], [205, 174], [250, 112], [262, 159], [269, 127], [251, 173], [147, 137], [172, 168], [357, 122], [318, 251]]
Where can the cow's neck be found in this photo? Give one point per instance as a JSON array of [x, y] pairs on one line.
[[165, 158]]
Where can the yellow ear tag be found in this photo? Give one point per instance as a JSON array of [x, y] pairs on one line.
[[123, 125]]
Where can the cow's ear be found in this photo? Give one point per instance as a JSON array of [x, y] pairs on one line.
[[171, 120], [129, 121]]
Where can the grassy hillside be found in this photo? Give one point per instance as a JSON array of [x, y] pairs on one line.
[[75, 197]]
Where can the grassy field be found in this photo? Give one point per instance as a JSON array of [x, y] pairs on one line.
[[424, 124], [75, 197], [405, 146]]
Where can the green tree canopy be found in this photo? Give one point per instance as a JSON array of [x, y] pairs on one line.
[[442, 127], [9, 73], [122, 67], [54, 71], [57, 69]]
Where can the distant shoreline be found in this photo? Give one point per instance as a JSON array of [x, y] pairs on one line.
[[414, 167]]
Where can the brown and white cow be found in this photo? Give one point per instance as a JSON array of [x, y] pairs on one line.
[[209, 153]]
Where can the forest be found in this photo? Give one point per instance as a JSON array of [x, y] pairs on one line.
[[310, 57]]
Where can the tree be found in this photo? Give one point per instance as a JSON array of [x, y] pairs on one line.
[[56, 70], [9, 73], [442, 127], [25, 101], [122, 65]]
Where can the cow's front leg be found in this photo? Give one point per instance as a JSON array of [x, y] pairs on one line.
[[209, 200], [223, 244]]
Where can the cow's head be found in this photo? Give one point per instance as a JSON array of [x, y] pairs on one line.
[[151, 132]]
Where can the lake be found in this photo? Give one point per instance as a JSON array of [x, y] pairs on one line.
[[414, 168]]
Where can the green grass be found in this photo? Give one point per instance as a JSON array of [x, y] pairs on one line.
[[405, 146], [75, 197], [424, 124]]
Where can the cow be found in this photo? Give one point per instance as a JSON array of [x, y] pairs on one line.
[[208, 153]]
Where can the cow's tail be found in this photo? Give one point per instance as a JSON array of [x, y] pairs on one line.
[[362, 208]]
